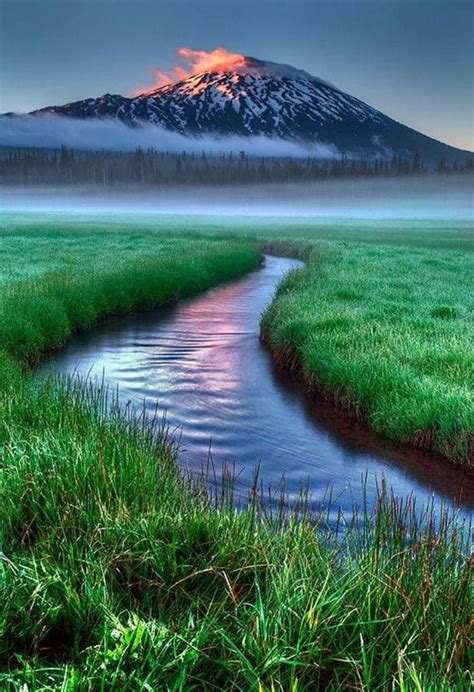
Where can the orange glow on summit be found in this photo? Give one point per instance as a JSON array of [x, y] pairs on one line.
[[196, 61]]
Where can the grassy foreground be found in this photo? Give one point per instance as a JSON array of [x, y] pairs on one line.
[[387, 334], [117, 573]]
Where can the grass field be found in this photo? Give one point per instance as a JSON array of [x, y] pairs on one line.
[[386, 333], [115, 572], [56, 283]]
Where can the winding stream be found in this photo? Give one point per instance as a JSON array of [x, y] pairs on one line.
[[202, 362]]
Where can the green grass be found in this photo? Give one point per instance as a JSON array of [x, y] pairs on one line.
[[118, 573], [294, 231], [69, 283], [387, 333]]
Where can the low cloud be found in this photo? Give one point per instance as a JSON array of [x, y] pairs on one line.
[[52, 131]]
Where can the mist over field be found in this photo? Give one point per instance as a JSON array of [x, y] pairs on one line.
[[430, 197]]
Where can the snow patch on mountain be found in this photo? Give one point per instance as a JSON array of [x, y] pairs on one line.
[[265, 68], [258, 98]]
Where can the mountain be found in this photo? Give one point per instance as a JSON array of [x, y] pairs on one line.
[[266, 98]]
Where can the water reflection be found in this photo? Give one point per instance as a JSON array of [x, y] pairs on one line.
[[201, 361]]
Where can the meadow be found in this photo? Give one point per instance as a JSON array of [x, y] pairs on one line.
[[69, 283], [386, 333], [118, 572]]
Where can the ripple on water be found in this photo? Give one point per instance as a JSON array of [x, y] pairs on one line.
[[202, 361]]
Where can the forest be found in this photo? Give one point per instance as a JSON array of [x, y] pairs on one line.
[[155, 168]]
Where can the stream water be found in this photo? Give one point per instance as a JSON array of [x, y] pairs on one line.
[[202, 363]]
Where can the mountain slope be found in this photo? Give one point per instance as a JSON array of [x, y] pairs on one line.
[[263, 98]]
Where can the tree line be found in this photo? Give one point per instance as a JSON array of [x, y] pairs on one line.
[[151, 167]]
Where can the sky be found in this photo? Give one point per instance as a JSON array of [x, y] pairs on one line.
[[411, 59]]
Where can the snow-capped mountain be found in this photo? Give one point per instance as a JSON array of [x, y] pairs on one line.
[[265, 98]]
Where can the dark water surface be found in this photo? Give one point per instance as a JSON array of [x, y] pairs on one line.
[[202, 362]]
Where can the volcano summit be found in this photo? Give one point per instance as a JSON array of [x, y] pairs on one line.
[[251, 97]]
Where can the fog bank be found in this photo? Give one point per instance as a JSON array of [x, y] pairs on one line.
[[427, 197], [47, 131]]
